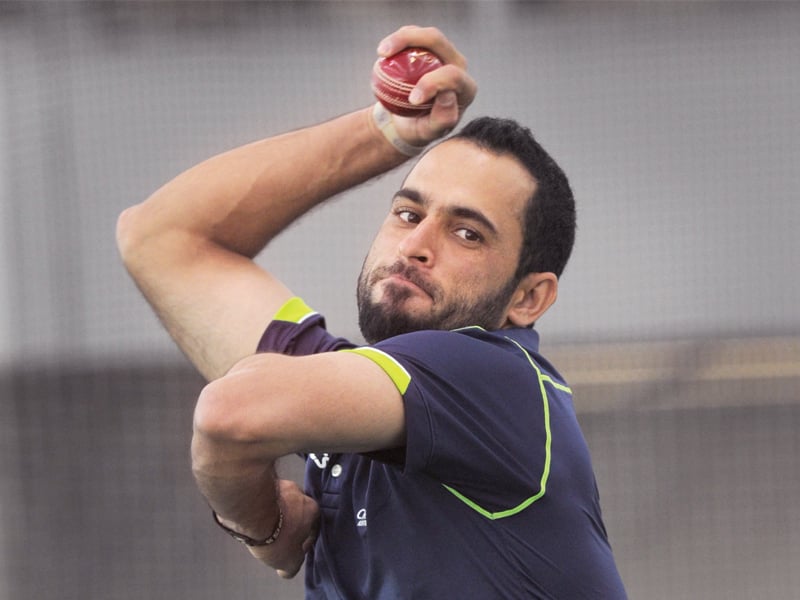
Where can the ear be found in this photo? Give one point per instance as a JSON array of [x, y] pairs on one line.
[[533, 296]]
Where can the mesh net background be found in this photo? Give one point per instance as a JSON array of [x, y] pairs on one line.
[[677, 322]]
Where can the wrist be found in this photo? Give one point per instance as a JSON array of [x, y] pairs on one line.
[[246, 539], [384, 121]]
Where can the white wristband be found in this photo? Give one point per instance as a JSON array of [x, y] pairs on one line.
[[385, 122]]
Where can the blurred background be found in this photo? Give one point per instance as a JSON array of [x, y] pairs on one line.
[[678, 322]]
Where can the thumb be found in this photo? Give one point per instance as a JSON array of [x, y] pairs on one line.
[[445, 113]]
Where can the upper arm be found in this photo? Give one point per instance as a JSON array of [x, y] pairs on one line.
[[279, 405], [214, 303]]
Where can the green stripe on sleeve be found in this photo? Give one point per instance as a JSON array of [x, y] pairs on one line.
[[396, 372], [294, 310]]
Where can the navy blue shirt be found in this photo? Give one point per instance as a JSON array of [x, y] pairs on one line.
[[493, 495]]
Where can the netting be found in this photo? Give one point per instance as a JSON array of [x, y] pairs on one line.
[[677, 320]]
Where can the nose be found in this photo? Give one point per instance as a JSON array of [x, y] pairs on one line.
[[418, 244]]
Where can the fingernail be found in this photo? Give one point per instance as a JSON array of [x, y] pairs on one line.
[[415, 97], [384, 47]]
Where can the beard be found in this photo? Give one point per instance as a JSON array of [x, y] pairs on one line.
[[382, 320]]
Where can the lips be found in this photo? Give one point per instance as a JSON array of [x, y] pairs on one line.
[[407, 275], [400, 279]]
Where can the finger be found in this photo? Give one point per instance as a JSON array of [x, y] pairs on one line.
[[448, 77], [426, 37], [289, 573], [308, 544], [445, 113]]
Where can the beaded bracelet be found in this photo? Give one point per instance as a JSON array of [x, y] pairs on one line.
[[247, 540]]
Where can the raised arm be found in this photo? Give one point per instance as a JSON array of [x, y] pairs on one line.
[[189, 247]]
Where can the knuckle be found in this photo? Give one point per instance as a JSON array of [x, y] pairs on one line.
[[434, 33]]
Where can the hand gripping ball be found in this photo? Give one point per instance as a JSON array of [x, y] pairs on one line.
[[395, 76]]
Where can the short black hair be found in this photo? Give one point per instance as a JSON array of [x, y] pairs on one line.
[[549, 220]]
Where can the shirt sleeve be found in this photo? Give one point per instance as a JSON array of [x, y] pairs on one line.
[[298, 330]]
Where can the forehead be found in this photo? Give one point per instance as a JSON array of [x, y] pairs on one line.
[[459, 173]]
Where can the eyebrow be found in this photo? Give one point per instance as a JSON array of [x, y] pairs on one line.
[[456, 211]]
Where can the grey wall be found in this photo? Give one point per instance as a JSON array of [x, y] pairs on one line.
[[677, 124]]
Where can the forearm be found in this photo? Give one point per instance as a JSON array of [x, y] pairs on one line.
[[234, 466], [241, 199], [188, 247], [240, 489], [267, 407]]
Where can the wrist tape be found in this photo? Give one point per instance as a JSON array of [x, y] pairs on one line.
[[385, 122]]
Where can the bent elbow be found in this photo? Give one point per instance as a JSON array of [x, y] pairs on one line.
[[227, 411], [214, 417], [228, 432], [129, 234], [212, 429]]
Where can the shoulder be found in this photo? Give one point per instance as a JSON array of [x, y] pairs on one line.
[[297, 329], [463, 349]]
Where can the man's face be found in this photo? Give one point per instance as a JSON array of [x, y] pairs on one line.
[[446, 255]]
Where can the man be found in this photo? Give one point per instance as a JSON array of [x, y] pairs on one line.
[[444, 460]]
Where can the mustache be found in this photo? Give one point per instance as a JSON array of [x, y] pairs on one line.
[[410, 273]]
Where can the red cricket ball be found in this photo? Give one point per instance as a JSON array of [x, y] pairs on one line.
[[395, 76]]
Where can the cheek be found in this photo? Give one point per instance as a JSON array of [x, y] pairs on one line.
[[383, 248], [480, 276], [377, 256]]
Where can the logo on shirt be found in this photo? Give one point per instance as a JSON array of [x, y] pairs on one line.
[[321, 462], [361, 517]]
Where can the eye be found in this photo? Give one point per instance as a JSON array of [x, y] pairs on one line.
[[469, 235], [409, 216]]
